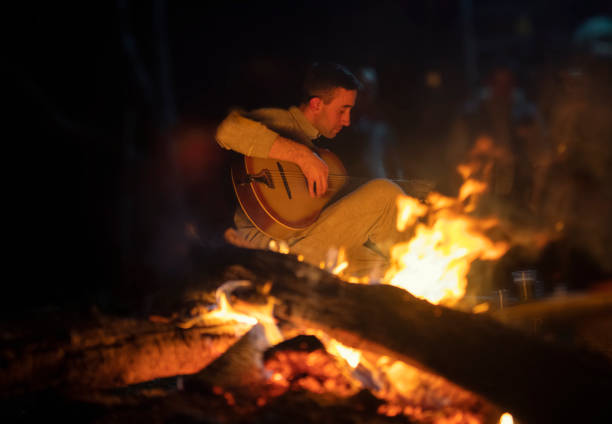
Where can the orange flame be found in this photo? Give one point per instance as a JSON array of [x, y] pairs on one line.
[[244, 314], [434, 264], [351, 356], [225, 312]]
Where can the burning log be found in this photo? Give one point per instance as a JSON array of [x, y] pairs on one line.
[[112, 353], [537, 380]]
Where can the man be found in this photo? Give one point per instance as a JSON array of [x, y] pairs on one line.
[[362, 222]]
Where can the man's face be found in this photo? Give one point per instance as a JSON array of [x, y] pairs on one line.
[[333, 116]]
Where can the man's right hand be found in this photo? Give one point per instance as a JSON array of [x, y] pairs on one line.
[[316, 172], [313, 167]]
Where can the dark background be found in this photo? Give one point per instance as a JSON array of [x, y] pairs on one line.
[[105, 101]]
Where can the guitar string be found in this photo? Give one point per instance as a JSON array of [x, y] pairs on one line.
[[331, 184], [298, 174], [331, 179]]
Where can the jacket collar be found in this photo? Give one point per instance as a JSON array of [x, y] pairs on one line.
[[305, 125]]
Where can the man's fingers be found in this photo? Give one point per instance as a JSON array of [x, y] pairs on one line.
[[323, 185], [311, 187], [315, 170]]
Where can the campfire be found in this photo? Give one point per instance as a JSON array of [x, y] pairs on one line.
[[260, 333], [433, 266], [310, 360]]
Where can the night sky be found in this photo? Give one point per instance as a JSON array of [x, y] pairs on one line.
[[95, 88]]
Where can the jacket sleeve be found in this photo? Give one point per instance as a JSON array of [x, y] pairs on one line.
[[244, 135]]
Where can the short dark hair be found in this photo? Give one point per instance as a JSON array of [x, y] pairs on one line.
[[322, 78]]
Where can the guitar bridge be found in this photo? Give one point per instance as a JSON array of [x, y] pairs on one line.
[[263, 177]]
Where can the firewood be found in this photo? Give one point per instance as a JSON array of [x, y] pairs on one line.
[[536, 380], [114, 353]]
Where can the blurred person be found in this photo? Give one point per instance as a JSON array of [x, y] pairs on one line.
[[578, 192], [501, 115], [364, 221], [532, 152], [503, 134]]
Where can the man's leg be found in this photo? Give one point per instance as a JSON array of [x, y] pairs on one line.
[[368, 214]]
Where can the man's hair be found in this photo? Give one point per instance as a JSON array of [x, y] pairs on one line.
[[322, 78]]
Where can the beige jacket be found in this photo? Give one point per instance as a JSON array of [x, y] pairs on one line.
[[253, 133]]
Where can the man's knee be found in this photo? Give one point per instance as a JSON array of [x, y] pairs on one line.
[[383, 189]]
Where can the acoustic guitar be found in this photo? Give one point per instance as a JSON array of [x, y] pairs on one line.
[[274, 194]]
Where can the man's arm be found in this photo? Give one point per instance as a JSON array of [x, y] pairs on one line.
[[243, 135], [252, 138]]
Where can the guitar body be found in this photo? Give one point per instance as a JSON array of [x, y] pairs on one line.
[[274, 194]]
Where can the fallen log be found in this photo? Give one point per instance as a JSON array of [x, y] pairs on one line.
[[581, 318], [111, 352], [536, 380]]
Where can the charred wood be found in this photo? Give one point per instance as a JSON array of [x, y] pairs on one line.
[[537, 380], [112, 353]]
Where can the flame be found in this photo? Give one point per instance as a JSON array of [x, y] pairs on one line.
[[409, 210], [280, 246], [471, 187], [434, 263], [339, 268], [341, 262], [358, 280], [351, 356], [225, 312], [469, 190], [335, 261], [506, 418], [244, 314]]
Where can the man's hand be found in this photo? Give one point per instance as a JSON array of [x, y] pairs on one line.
[[313, 167], [316, 171]]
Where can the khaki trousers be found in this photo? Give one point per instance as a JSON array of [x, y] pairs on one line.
[[362, 222]]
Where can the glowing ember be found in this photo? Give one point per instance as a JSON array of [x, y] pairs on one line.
[[343, 372], [315, 371]]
